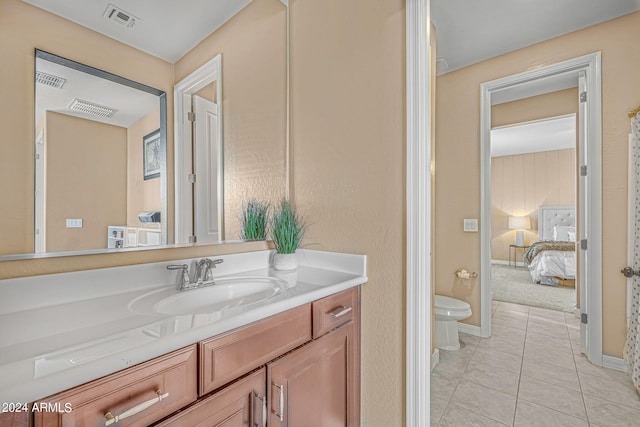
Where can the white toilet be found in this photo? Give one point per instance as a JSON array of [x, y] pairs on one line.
[[448, 312]]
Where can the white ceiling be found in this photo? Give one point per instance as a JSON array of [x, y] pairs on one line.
[[166, 28], [131, 104], [556, 133], [470, 31]]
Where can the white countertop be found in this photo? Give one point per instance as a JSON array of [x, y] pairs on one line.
[[62, 330]]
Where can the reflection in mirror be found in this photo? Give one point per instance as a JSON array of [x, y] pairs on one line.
[[242, 69], [250, 36], [199, 158], [100, 159]]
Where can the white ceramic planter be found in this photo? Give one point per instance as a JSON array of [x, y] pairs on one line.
[[284, 262]]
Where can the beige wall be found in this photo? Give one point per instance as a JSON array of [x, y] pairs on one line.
[[97, 152], [522, 183], [458, 188], [523, 193], [539, 107], [22, 29], [347, 81], [253, 48], [348, 120], [142, 195]]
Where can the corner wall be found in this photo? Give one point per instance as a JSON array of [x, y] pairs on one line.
[[348, 151]]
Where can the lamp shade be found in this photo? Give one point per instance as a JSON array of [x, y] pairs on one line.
[[519, 223]]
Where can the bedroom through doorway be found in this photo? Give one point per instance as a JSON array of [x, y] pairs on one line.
[[533, 200], [584, 73]]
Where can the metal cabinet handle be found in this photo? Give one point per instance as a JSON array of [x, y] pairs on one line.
[[340, 311], [112, 419], [280, 414], [630, 272], [259, 407]]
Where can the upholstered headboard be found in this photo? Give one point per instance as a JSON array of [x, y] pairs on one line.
[[551, 216]]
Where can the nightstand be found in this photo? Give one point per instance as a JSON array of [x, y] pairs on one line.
[[515, 254]]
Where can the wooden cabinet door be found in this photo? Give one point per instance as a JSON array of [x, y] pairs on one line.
[[317, 384], [228, 356], [241, 404]]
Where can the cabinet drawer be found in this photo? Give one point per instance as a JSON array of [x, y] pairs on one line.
[[333, 311], [242, 403], [229, 356], [174, 373], [14, 419]]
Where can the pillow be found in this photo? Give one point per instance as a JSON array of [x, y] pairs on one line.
[[563, 233]]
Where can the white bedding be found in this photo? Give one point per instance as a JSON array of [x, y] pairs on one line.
[[553, 263]]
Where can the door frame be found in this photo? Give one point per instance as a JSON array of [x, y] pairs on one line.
[[208, 206], [418, 96], [531, 83], [209, 72]]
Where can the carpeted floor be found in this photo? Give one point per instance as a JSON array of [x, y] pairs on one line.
[[515, 285]]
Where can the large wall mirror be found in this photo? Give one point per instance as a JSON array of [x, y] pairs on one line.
[[100, 159], [79, 181]]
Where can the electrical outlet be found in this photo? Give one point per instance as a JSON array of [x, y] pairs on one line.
[[471, 225], [74, 223]]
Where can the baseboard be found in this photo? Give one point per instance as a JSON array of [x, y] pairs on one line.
[[469, 329], [614, 363], [435, 358]]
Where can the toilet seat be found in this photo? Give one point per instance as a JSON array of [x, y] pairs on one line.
[[454, 309], [450, 303]]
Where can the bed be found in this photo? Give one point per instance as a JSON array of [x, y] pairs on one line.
[[554, 255]]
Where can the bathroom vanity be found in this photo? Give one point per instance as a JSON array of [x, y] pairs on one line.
[[292, 359]]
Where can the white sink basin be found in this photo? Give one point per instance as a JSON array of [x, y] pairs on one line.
[[227, 293]]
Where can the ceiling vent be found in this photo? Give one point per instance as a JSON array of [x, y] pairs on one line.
[[119, 16], [91, 108], [50, 80]]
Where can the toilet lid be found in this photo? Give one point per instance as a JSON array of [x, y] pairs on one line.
[[451, 304]]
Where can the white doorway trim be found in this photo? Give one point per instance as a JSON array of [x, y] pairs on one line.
[[418, 208], [206, 74], [532, 83]]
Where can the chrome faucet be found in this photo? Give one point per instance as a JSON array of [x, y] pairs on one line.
[[203, 275], [204, 271], [184, 281]]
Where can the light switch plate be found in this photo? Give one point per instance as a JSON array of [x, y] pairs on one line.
[[74, 223], [471, 225]]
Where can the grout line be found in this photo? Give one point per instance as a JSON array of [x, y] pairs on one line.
[[575, 365], [515, 411]]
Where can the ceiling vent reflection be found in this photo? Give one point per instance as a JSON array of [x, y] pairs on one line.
[[91, 108]]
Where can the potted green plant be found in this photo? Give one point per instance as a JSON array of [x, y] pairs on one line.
[[254, 220], [287, 231]]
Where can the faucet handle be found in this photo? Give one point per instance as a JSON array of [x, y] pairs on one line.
[[184, 280], [204, 271]]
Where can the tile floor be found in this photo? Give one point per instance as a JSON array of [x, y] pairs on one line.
[[529, 373]]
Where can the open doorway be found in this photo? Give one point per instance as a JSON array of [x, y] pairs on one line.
[[583, 73], [533, 201]]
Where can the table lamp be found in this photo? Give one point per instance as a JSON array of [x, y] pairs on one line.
[[519, 223]]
